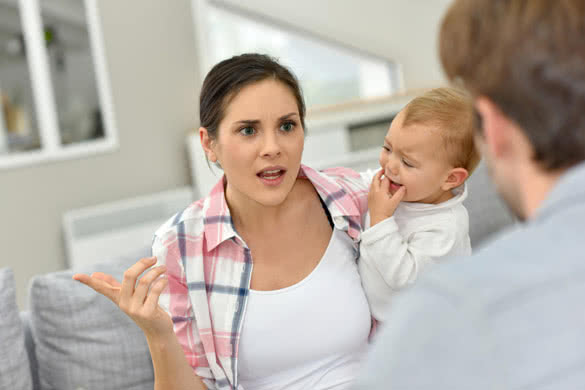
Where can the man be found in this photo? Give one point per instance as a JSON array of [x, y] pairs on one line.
[[513, 315]]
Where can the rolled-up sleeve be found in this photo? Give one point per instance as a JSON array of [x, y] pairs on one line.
[[176, 302]]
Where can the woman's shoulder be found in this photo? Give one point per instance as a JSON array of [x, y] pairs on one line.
[[190, 220], [346, 178], [344, 190]]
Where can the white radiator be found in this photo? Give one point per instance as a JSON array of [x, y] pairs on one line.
[[120, 228]]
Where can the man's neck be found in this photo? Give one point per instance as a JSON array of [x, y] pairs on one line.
[[536, 186]]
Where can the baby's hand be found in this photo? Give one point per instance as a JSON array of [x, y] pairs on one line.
[[381, 203]]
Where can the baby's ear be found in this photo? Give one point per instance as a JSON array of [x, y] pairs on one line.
[[455, 178]]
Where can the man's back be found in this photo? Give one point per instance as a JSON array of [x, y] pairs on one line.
[[510, 317]]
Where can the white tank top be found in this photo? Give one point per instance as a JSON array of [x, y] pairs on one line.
[[311, 335]]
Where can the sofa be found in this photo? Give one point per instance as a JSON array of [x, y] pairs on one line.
[[72, 338]]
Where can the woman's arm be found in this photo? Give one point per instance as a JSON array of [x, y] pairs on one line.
[[140, 302], [171, 369]]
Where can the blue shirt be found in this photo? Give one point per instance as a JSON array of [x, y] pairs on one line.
[[510, 317]]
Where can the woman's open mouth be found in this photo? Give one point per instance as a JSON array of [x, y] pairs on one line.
[[272, 176]]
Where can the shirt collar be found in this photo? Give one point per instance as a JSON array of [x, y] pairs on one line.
[[218, 222], [339, 202], [569, 189], [460, 194]]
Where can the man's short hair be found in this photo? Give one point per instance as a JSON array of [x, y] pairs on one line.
[[528, 57], [450, 112]]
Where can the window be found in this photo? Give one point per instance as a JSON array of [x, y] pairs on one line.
[[329, 73], [55, 101]]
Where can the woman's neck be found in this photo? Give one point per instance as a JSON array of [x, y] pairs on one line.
[[251, 216]]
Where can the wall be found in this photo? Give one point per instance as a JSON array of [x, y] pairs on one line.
[[151, 58], [400, 30]]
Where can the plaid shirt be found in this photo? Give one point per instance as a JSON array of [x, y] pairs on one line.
[[209, 268]]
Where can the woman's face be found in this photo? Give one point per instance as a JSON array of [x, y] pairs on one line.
[[260, 143]]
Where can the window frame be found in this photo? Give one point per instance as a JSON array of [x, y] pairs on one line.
[[201, 7], [43, 93]]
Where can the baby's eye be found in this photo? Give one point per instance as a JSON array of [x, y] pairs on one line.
[[386, 148], [247, 131], [287, 126], [407, 164]]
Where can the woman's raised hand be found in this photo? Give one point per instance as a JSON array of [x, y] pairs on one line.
[[139, 300]]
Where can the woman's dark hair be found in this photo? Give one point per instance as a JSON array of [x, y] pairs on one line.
[[228, 77]]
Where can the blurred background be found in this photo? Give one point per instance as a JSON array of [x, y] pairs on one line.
[[99, 101]]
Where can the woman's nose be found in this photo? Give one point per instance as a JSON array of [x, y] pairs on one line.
[[270, 145]]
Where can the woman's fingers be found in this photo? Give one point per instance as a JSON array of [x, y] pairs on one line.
[[130, 277], [107, 278], [157, 288], [102, 287], [144, 285]]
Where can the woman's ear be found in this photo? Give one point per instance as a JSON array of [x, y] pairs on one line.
[[207, 144], [455, 178]]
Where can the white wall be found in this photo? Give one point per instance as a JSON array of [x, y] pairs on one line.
[[400, 30], [151, 57]]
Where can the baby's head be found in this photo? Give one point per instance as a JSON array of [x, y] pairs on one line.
[[429, 147]]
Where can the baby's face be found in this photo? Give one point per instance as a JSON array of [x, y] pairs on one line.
[[414, 157]]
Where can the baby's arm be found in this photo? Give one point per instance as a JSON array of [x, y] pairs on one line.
[[389, 261]]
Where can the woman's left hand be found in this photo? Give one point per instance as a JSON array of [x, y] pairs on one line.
[[138, 298]]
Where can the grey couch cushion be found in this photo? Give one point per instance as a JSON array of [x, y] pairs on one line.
[[84, 341], [30, 349], [487, 212], [14, 366]]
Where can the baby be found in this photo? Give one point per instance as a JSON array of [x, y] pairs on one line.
[[416, 212]]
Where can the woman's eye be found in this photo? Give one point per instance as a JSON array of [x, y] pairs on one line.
[[247, 131], [408, 164], [386, 148], [287, 126]]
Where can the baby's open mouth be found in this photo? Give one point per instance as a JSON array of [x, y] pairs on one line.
[[394, 186]]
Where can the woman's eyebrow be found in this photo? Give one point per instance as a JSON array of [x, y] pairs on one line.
[[247, 122], [252, 122], [288, 115]]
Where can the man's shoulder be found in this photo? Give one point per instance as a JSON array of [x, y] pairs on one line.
[[514, 260]]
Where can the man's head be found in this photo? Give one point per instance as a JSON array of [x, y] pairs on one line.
[[429, 147], [523, 61]]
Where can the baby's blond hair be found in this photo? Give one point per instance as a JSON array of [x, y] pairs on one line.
[[450, 112]]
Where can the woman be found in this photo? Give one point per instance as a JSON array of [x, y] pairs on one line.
[[260, 287]]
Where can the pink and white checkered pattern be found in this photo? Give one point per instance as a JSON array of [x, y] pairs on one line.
[[209, 268]]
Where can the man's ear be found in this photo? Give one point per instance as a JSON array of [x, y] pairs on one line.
[[455, 178], [496, 127], [207, 144]]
